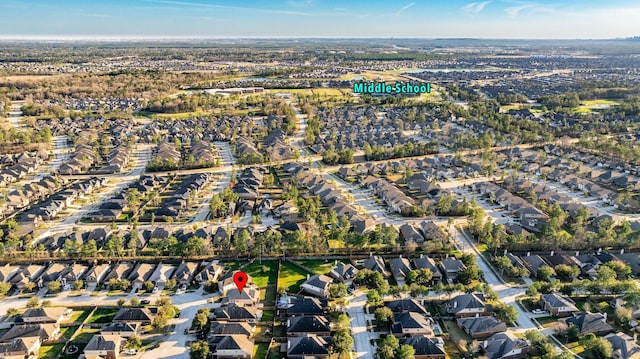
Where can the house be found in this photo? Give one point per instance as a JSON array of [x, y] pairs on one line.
[[425, 262], [400, 268], [407, 305], [307, 347], [184, 274], [376, 263], [411, 234], [96, 274], [43, 315], [210, 272], [343, 272], [140, 274], [481, 327], [533, 263], [303, 306], [315, 324], [143, 316], [451, 267], [124, 330], [411, 323], [162, 273], [624, 346], [425, 347], [104, 346], [231, 347], [504, 346], [557, 305], [236, 313], [20, 348], [595, 323], [237, 328], [317, 285], [466, 305], [249, 296], [44, 332]]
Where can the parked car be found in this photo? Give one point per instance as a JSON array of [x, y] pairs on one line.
[[538, 311]]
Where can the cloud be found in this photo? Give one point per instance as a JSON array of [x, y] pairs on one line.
[[514, 11], [404, 8], [475, 7]]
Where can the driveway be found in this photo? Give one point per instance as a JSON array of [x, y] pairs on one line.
[[361, 337]]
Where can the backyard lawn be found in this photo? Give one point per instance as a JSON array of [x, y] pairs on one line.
[[260, 350], [50, 351], [103, 315], [319, 266], [78, 316], [262, 274], [291, 277]]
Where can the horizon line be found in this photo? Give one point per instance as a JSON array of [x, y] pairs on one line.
[[113, 38]]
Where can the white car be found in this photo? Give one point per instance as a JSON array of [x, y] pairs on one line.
[[538, 311]]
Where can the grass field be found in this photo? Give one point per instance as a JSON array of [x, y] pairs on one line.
[[79, 315], [291, 277], [262, 274], [103, 315], [85, 335], [319, 266], [50, 351], [260, 350], [327, 92]]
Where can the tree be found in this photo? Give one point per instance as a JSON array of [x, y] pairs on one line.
[[342, 341], [121, 302], [54, 286], [387, 350], [134, 342], [337, 290], [199, 350], [201, 319], [374, 299], [421, 276], [600, 347], [134, 302], [506, 313], [5, 288], [605, 274], [566, 272], [33, 302], [78, 284], [406, 352], [29, 287], [384, 316], [545, 272], [148, 286], [622, 270], [170, 284]]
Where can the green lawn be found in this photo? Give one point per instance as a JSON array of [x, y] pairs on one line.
[[85, 335], [319, 266], [291, 277], [262, 274], [260, 350], [103, 315], [267, 316], [66, 333], [79, 315], [50, 351]]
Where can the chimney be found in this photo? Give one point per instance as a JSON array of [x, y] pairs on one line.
[[528, 254], [577, 253], [551, 253], [622, 251], [307, 276], [605, 317]]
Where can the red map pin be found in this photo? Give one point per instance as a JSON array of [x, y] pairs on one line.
[[240, 279]]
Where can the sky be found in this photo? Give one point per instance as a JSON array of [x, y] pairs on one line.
[[513, 19]]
